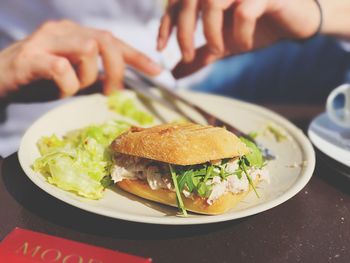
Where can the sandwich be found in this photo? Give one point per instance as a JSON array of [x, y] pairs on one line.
[[204, 169]]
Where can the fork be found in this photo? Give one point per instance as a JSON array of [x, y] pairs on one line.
[[142, 84]]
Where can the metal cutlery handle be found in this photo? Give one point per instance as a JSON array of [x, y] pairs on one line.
[[210, 118]]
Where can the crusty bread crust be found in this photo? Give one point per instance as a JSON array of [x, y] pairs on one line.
[[167, 197], [181, 144]]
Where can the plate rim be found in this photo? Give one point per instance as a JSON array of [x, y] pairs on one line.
[[300, 182]]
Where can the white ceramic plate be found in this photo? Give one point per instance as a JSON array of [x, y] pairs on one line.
[[287, 176], [330, 138]]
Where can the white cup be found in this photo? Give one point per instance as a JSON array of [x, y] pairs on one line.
[[340, 116]]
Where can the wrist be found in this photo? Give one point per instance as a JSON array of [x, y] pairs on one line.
[[321, 18], [336, 18], [299, 19]]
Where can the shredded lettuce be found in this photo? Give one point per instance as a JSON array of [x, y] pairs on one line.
[[277, 132], [121, 103], [81, 160]]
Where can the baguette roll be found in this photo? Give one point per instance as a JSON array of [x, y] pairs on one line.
[[181, 144], [196, 204], [148, 159]]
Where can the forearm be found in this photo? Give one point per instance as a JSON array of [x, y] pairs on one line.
[[336, 18]]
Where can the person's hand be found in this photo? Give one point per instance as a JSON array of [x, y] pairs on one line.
[[68, 54], [233, 27]]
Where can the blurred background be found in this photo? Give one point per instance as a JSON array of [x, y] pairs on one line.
[[302, 72], [292, 72]]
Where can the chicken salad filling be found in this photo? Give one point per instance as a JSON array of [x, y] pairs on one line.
[[225, 176]]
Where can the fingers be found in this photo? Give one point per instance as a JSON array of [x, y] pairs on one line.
[[113, 62], [245, 15], [82, 51], [212, 26], [87, 68], [80, 47], [115, 54], [164, 31], [28, 64], [166, 24], [64, 76], [138, 60], [203, 57], [245, 18], [58, 69], [186, 23]]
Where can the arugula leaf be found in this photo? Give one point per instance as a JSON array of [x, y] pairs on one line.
[[177, 191], [181, 181], [194, 178], [239, 173], [208, 173], [200, 172], [253, 134], [243, 164], [254, 157], [191, 181], [203, 190], [106, 181], [223, 173]]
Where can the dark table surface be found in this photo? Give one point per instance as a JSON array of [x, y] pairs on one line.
[[313, 226]]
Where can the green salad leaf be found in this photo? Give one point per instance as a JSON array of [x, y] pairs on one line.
[[177, 191], [243, 164], [253, 134], [125, 105], [81, 160], [255, 156], [253, 159], [276, 132], [193, 178]]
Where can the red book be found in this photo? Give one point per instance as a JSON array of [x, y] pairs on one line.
[[24, 246]]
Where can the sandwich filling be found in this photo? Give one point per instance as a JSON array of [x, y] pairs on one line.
[[210, 180]]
